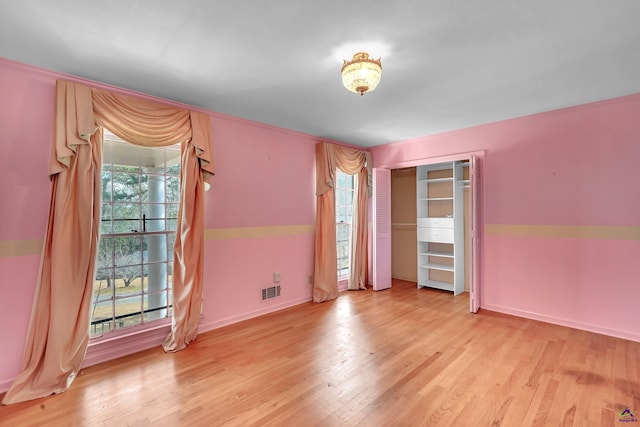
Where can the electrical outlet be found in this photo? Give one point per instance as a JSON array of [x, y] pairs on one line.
[[276, 277]]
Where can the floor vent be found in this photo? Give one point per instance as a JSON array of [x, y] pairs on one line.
[[272, 292]]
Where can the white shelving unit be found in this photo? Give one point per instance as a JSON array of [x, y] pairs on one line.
[[440, 221]]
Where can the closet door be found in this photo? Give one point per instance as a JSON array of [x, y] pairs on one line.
[[381, 229], [474, 196]]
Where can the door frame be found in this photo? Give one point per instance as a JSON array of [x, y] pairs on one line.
[[475, 213]]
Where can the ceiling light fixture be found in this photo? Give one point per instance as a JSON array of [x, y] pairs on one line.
[[361, 74]]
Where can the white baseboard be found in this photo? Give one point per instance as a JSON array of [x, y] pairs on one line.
[[617, 333], [209, 326]]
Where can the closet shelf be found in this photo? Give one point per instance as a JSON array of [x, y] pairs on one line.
[[434, 180], [438, 285], [438, 254], [434, 266]]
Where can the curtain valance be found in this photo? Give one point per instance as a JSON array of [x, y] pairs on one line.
[[349, 160], [81, 109]]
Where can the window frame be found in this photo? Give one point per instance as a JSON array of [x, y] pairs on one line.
[[344, 197], [144, 318]]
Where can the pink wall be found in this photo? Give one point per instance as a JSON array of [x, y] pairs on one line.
[[570, 167], [26, 114], [264, 178]]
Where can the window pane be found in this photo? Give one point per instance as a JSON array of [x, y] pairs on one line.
[[126, 218], [102, 311], [342, 232], [174, 169], [154, 217], [128, 280], [156, 188], [340, 197], [106, 186], [105, 253], [172, 211], [172, 189], [126, 187], [342, 249], [157, 277], [128, 250], [156, 248], [126, 211], [103, 285], [128, 312], [100, 326], [105, 219], [152, 161], [128, 168], [171, 239], [155, 305], [126, 226], [144, 279], [156, 222]]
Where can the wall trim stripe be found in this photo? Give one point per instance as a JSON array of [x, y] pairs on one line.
[[257, 232], [11, 248], [606, 232]]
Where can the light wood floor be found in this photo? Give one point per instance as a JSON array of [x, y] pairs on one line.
[[398, 357]]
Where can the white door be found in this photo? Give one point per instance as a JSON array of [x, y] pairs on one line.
[[474, 193], [381, 229]]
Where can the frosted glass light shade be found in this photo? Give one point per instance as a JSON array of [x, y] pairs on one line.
[[361, 74]]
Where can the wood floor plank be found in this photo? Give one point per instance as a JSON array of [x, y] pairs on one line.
[[403, 356]]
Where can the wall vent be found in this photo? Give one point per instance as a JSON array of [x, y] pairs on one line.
[[272, 292]]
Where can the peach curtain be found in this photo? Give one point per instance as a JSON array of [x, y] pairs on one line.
[[188, 252], [58, 333], [352, 162], [358, 263]]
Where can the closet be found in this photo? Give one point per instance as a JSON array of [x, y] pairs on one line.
[[440, 220]]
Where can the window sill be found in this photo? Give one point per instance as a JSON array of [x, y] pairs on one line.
[[113, 346], [343, 284]]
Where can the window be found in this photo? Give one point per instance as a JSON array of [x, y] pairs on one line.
[[344, 214], [140, 196]]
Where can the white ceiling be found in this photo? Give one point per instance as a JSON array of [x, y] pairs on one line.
[[446, 64]]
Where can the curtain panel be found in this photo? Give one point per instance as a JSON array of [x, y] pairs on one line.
[[352, 162], [58, 333]]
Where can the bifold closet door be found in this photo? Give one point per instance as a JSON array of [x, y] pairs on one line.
[[381, 229], [475, 198]]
